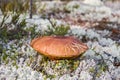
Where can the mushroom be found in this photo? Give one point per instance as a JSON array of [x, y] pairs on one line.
[[59, 47]]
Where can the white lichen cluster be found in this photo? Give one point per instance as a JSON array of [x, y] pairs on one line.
[[18, 61]]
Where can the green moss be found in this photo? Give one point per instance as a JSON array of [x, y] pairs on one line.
[[4, 57], [60, 67], [49, 76], [59, 30], [98, 74], [32, 31], [92, 69], [76, 6], [103, 67], [14, 63]]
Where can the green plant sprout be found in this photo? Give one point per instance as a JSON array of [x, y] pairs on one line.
[[59, 30]]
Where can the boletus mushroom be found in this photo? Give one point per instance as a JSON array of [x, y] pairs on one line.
[[59, 47]]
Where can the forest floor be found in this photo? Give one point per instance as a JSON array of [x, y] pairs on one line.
[[95, 23]]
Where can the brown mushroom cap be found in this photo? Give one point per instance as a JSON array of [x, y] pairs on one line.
[[59, 47]]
